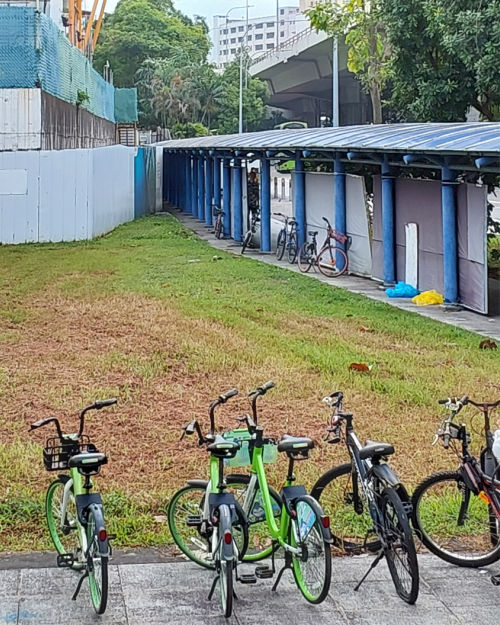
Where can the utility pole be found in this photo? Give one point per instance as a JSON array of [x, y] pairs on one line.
[[335, 83]]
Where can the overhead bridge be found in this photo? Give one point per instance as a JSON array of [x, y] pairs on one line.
[[429, 218]]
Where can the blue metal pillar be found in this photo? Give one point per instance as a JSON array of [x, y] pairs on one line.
[[201, 189], [238, 202], [189, 184], [180, 174], [217, 189], [226, 197], [164, 194], [209, 183], [194, 187], [450, 247], [340, 223], [265, 205], [176, 179], [388, 225], [300, 199]]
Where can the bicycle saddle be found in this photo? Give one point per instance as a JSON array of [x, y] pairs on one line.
[[222, 448], [312, 234], [87, 460], [372, 449], [294, 444]]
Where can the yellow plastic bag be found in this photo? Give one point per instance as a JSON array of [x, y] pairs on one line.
[[428, 298]]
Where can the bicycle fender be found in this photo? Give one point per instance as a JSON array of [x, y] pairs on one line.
[[64, 478], [318, 511], [225, 525], [198, 483], [386, 475], [98, 512]]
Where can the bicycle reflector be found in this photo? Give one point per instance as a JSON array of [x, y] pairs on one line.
[[482, 495], [228, 538], [102, 535], [325, 521]]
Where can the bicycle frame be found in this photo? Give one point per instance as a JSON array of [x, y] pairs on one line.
[[75, 482]]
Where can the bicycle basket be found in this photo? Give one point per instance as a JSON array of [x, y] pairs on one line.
[[56, 455], [340, 237], [242, 457]]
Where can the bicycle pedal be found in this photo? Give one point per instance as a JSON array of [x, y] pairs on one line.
[[247, 579], [264, 572], [65, 560], [193, 521], [495, 580]]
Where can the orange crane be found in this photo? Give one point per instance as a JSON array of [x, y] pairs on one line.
[[82, 31]]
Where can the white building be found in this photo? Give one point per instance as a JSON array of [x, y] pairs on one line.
[[259, 36]]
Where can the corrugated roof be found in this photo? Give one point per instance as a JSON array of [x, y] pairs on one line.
[[479, 138]]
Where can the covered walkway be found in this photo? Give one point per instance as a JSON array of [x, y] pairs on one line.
[[426, 176]]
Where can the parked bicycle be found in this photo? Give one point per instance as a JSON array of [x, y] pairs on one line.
[[367, 504], [218, 214], [75, 515], [457, 513], [287, 239], [247, 241], [331, 260]]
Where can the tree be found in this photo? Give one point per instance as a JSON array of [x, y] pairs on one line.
[[444, 58], [147, 29], [361, 23]]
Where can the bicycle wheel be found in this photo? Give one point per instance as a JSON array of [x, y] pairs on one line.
[[350, 528], [218, 228], [246, 241], [281, 244], [400, 550], [306, 258], [97, 566], [194, 539], [453, 523], [225, 564], [312, 566], [63, 529], [292, 248], [332, 261]]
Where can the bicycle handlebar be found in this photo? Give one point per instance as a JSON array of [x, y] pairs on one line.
[[259, 392]]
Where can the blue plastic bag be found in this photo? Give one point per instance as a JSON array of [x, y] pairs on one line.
[[402, 290]]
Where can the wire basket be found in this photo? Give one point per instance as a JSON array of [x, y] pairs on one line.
[[56, 455], [242, 457], [340, 237]]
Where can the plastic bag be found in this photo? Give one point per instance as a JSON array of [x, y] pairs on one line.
[[428, 298], [402, 290]]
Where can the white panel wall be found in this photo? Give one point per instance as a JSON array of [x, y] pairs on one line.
[[70, 195], [20, 119]]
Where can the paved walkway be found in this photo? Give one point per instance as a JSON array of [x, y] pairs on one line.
[[484, 325], [176, 594]]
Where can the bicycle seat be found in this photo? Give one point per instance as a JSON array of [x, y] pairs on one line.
[[312, 234], [87, 461], [292, 221], [372, 449], [222, 448], [294, 444]]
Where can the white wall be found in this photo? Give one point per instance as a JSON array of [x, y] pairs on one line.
[[65, 195], [20, 119]]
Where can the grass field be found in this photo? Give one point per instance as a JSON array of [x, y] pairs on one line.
[[148, 315]]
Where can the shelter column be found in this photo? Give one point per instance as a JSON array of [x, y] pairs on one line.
[[189, 184], [165, 189], [201, 189], [177, 179], [226, 197], [217, 198], [450, 249], [300, 199], [238, 202], [182, 181], [388, 225], [194, 188], [265, 205], [209, 183]]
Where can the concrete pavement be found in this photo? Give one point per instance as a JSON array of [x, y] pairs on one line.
[[176, 594]]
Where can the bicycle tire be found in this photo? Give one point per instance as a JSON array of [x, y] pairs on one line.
[[312, 568], [281, 244], [188, 501], [400, 551], [328, 264], [440, 528], [218, 228], [64, 533], [292, 248], [97, 566], [305, 258], [349, 528], [246, 241], [224, 565]]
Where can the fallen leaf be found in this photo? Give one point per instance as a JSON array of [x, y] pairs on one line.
[[487, 344], [359, 366]]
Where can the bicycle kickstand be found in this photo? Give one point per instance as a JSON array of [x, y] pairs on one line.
[[79, 585], [379, 557], [211, 593], [287, 565]]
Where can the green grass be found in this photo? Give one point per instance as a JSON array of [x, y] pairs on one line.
[[154, 316]]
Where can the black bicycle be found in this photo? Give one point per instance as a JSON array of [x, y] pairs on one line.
[[308, 254], [287, 239], [218, 213], [247, 241], [457, 513], [367, 504]]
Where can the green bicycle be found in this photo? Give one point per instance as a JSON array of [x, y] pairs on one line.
[[75, 515]]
